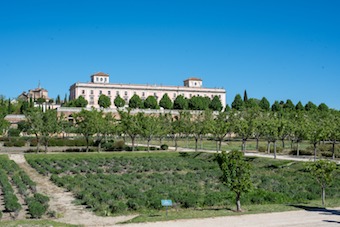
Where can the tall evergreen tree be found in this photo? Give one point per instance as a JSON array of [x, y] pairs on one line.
[[245, 96], [238, 103], [165, 102]]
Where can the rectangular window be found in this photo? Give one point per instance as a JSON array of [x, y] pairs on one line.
[[174, 95], [143, 94], [100, 92], [91, 92], [125, 93], [109, 92], [117, 92], [83, 92]]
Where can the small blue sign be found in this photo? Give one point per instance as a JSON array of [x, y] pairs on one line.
[[166, 202]]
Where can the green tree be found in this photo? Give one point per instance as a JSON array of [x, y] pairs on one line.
[[180, 103], [41, 101], [4, 125], [79, 102], [135, 102], [199, 103], [299, 131], [323, 107], [201, 124], [271, 133], [119, 102], [35, 123], [130, 125], [235, 174], [86, 124], [50, 127], [220, 127], [289, 106], [57, 101], [243, 125], [216, 104], [245, 96], [151, 103], [299, 106], [238, 103], [310, 106], [264, 104], [104, 101], [166, 102], [322, 171], [315, 129], [150, 126], [276, 107]]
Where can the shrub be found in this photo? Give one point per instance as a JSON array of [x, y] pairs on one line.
[[35, 208], [164, 147], [13, 132]]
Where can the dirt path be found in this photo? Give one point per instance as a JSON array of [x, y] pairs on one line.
[[61, 201], [301, 218]]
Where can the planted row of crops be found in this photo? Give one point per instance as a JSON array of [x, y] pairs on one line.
[[12, 176], [116, 183]]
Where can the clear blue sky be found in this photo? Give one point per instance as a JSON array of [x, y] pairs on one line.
[[277, 49]]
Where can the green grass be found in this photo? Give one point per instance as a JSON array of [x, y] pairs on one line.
[[35, 223]]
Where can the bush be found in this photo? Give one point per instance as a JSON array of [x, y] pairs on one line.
[[13, 132], [164, 147], [35, 208]]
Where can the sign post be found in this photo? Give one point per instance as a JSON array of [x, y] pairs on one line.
[[166, 203]]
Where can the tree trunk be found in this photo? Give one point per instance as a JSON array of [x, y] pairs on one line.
[[315, 152], [196, 143], [257, 143], [275, 149], [38, 143], [219, 145], [238, 203], [216, 145], [297, 149], [175, 138], [201, 142], [268, 147], [133, 143], [283, 143], [46, 145], [333, 150], [323, 195], [87, 143], [148, 145], [243, 145]]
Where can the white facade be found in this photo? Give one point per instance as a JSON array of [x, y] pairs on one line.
[[100, 85]]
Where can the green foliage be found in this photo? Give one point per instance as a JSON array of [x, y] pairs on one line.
[[216, 104], [238, 103], [310, 106], [166, 102], [151, 103], [276, 107], [120, 182], [289, 105], [322, 171], [135, 102], [235, 173], [199, 103], [181, 103], [164, 147], [299, 106], [323, 107], [79, 102], [119, 102], [40, 101], [104, 101]]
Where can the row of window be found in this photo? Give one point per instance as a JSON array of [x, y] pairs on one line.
[[143, 93]]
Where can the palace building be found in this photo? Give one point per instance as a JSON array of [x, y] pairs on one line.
[[100, 84]]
